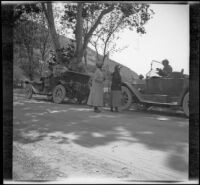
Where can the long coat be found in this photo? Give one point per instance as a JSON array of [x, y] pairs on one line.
[[96, 92], [116, 90], [116, 82]]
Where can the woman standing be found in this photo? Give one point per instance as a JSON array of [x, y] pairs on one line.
[[116, 89], [95, 98]]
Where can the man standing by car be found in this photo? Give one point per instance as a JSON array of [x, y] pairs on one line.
[[167, 70]]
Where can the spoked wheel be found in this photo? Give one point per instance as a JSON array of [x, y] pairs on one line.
[[59, 93], [28, 91], [185, 104], [126, 98]]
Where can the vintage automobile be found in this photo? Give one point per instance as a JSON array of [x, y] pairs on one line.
[[60, 85], [171, 91]]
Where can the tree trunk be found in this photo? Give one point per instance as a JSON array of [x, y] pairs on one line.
[[29, 50], [30, 66], [80, 44], [79, 34], [103, 60], [50, 20], [85, 58]]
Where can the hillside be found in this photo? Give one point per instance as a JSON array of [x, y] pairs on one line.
[[126, 73], [20, 55]]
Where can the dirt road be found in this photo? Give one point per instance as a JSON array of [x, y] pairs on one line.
[[72, 143]]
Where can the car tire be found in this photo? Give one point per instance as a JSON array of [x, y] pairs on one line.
[[28, 91], [126, 98], [59, 94], [185, 104]]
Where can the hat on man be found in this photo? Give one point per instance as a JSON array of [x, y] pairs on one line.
[[165, 61]]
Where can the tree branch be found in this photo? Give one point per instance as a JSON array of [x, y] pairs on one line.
[[104, 12]]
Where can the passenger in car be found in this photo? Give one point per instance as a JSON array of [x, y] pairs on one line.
[[95, 98], [167, 69], [116, 89]]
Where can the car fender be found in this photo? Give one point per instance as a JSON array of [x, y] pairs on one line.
[[134, 91]]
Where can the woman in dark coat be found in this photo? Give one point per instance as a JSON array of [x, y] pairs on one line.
[[116, 89]]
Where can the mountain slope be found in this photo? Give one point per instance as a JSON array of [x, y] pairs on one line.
[[126, 73]]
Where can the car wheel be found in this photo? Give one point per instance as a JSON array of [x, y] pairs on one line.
[[28, 91], [185, 104], [59, 93], [126, 98]]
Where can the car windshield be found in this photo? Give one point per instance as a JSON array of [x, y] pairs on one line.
[[153, 71]]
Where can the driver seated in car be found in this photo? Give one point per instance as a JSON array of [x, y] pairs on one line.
[[167, 69]]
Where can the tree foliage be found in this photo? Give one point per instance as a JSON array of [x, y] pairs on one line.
[[30, 35], [99, 22], [21, 9], [23, 35], [104, 37]]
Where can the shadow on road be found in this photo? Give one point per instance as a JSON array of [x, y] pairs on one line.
[[67, 123]]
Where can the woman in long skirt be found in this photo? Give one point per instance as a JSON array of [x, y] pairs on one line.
[[116, 89], [95, 98]]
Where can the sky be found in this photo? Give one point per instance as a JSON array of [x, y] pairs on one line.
[[167, 37]]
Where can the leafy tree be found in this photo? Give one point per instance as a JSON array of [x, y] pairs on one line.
[[25, 32], [76, 15], [23, 35], [21, 9], [43, 38], [37, 8], [104, 37], [86, 20], [92, 21], [30, 35]]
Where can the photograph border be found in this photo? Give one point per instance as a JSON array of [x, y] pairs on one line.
[[7, 74]]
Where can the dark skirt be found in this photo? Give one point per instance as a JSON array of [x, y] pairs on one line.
[[116, 97]]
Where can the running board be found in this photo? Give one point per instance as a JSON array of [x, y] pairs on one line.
[[160, 104]]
